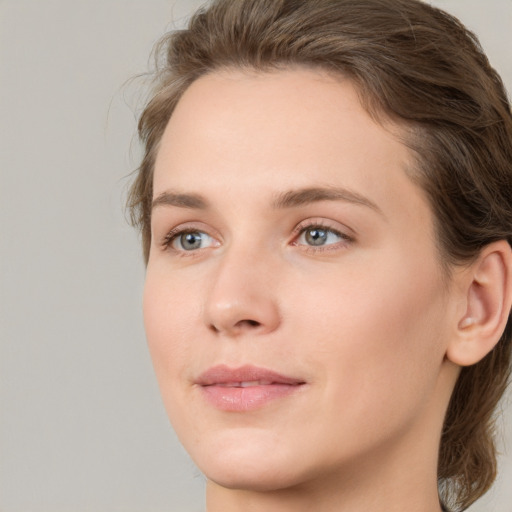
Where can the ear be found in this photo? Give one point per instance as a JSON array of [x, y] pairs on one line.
[[487, 290]]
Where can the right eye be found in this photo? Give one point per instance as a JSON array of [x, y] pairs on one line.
[[189, 240]]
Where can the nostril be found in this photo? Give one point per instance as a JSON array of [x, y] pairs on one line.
[[239, 325], [248, 323], [214, 328]]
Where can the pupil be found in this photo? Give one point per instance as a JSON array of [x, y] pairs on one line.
[[316, 236], [190, 241]]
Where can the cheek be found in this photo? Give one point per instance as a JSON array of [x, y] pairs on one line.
[[165, 320], [379, 331], [169, 317]]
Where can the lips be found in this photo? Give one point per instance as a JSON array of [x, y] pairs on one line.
[[245, 384], [245, 388]]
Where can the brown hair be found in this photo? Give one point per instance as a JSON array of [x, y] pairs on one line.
[[420, 67]]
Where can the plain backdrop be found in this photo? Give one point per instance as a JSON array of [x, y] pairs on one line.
[[81, 423]]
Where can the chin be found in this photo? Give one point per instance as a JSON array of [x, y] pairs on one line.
[[247, 464], [262, 478]]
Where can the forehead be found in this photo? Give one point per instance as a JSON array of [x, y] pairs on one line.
[[264, 130]]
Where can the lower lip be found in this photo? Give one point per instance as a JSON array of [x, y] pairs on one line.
[[238, 399]]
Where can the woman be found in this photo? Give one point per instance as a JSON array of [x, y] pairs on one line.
[[325, 205]]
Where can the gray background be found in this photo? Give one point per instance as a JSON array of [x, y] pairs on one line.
[[81, 423]]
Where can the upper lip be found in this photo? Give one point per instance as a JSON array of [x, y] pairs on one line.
[[223, 374]]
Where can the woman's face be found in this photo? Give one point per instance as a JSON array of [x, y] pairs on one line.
[[295, 307]]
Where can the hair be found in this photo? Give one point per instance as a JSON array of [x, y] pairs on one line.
[[412, 64]]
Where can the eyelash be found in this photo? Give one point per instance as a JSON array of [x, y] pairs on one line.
[[320, 225], [298, 231], [173, 235]]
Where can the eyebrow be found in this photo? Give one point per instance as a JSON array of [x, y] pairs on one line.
[[168, 198], [289, 199], [304, 196]]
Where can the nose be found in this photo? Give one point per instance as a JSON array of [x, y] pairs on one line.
[[242, 296]]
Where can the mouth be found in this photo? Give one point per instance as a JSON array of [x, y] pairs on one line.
[[246, 384], [246, 388]]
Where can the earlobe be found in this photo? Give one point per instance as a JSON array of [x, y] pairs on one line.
[[488, 299]]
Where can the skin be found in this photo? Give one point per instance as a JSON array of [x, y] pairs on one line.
[[364, 320]]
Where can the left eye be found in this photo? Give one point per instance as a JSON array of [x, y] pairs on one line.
[[317, 236], [191, 241]]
